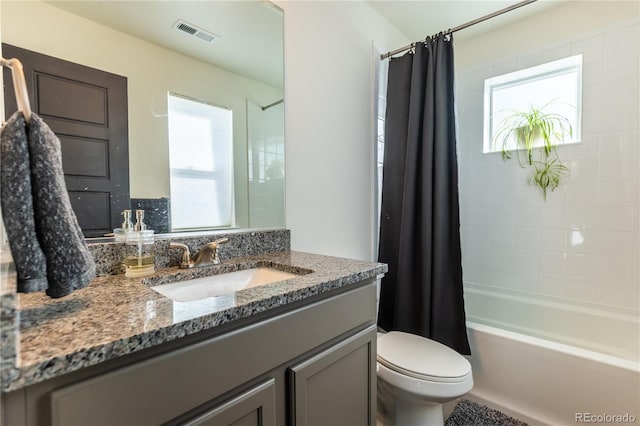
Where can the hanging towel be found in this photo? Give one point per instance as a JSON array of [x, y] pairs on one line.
[[17, 206], [70, 266], [48, 248]]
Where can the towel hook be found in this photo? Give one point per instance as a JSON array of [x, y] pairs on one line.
[[19, 86]]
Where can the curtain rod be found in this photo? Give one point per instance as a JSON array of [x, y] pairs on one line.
[[461, 27], [272, 105]]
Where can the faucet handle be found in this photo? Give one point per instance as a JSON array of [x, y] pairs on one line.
[[185, 259], [215, 259], [221, 240]]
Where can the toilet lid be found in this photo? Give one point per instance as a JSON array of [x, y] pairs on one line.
[[421, 357]]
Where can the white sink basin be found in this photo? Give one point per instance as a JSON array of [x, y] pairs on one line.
[[216, 285]]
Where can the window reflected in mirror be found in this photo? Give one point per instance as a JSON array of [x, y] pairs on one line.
[[201, 185]]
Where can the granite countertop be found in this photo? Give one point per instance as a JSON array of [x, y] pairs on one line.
[[115, 316]]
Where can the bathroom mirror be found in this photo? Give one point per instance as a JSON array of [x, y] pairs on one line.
[[221, 54]]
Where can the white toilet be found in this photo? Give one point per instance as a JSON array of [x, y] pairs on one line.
[[415, 376]]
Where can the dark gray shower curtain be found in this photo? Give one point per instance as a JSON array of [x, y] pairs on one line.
[[419, 223]]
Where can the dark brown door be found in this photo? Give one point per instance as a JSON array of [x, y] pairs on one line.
[[87, 110]]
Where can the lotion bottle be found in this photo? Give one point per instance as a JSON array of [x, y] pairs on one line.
[[139, 249], [121, 233]]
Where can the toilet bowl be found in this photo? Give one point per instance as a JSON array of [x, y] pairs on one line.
[[415, 376]]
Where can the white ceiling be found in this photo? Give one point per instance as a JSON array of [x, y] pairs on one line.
[[419, 19], [251, 32]]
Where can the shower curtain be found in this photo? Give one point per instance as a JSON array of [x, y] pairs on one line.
[[419, 223]]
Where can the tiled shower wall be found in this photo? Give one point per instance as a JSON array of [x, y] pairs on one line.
[[568, 268], [266, 165]]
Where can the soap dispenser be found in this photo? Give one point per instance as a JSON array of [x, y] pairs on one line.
[[120, 234], [139, 251]]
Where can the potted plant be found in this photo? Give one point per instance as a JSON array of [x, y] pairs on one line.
[[536, 134]]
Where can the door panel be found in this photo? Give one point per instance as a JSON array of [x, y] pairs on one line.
[[338, 386], [89, 104], [255, 407], [85, 157], [87, 109], [88, 207]]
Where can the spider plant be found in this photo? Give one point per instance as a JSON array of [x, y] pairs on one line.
[[547, 174], [536, 134]]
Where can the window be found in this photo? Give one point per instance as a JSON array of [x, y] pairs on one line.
[[556, 86], [201, 164]]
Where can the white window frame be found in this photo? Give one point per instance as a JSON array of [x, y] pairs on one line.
[[569, 65]]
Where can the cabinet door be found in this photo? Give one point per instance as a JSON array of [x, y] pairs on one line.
[[337, 386], [255, 407]]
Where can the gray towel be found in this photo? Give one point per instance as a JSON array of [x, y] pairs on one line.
[[69, 265], [17, 206]]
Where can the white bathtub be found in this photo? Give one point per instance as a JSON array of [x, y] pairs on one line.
[[547, 383]]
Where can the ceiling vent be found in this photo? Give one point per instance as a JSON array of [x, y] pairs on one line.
[[194, 31]]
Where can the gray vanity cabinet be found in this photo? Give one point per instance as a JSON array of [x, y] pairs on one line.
[[336, 387], [309, 363]]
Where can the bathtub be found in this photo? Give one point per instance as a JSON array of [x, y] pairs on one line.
[[547, 383]]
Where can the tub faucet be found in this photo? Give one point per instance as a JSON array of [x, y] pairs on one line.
[[206, 256]]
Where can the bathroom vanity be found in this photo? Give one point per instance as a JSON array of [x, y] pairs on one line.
[[300, 351]]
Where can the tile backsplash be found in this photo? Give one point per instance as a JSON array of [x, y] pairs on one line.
[[109, 255]]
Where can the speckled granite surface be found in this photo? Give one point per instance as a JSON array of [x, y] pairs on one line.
[[108, 255], [115, 316], [9, 346], [9, 318]]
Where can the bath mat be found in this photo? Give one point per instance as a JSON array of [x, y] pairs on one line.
[[468, 413]]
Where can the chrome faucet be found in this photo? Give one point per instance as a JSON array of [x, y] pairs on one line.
[[206, 256]]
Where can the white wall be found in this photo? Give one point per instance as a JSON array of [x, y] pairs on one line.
[[329, 123], [578, 253]]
